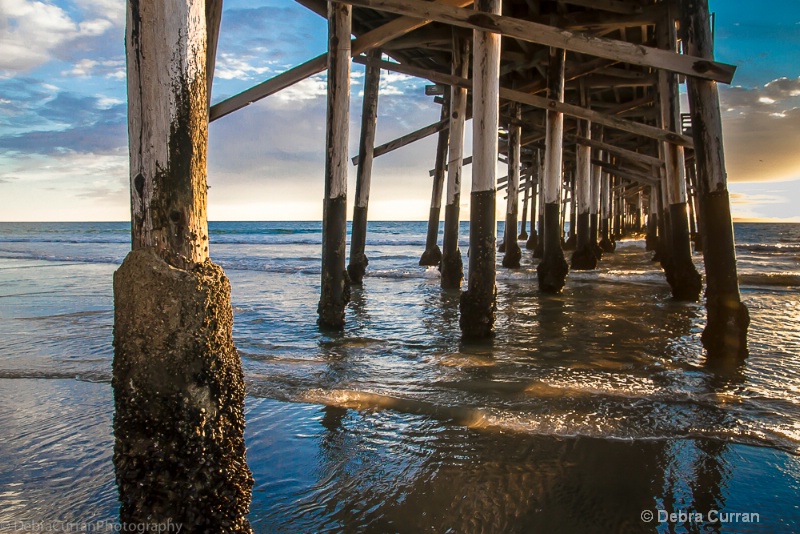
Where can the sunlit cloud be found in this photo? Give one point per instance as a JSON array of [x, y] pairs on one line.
[[761, 128], [84, 68], [231, 67], [32, 32]]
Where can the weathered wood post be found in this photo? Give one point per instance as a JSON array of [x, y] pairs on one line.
[[607, 243], [552, 270], [513, 253], [433, 255], [569, 207], [523, 225], [538, 247], [639, 210], [335, 288], [369, 120], [651, 240], [452, 266], [664, 243], [681, 273], [725, 334], [594, 216], [583, 258], [179, 452], [694, 203], [478, 303]]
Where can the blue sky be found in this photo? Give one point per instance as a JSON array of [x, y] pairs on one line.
[[63, 133]]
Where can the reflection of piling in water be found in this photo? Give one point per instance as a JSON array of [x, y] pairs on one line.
[[179, 453]]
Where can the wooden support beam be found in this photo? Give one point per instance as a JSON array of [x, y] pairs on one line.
[[335, 286], [681, 273], [596, 117], [478, 303], [613, 6], [452, 265], [409, 138], [600, 22], [372, 39], [213, 20], [177, 379], [533, 32], [540, 102], [725, 335], [357, 266], [512, 253], [624, 172], [432, 256], [552, 270], [623, 152]]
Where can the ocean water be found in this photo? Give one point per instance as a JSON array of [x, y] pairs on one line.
[[587, 411]]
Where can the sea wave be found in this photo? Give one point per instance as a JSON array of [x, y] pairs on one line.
[[774, 279], [551, 424], [774, 248]]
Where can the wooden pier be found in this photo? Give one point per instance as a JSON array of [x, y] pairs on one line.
[[579, 98]]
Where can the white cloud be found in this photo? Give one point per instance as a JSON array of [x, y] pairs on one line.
[[32, 31], [231, 67], [308, 89], [112, 68], [113, 10]]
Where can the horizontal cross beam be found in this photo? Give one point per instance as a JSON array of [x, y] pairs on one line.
[[540, 102], [372, 39], [543, 34]]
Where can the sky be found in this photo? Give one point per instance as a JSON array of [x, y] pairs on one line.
[[63, 117]]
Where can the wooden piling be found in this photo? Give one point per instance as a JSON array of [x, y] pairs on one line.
[[583, 259], [433, 255], [538, 248], [478, 303], [725, 335], [533, 237], [607, 243], [452, 266], [523, 225], [179, 452], [512, 253], [369, 119], [681, 273], [651, 240], [335, 282], [594, 206], [552, 270]]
